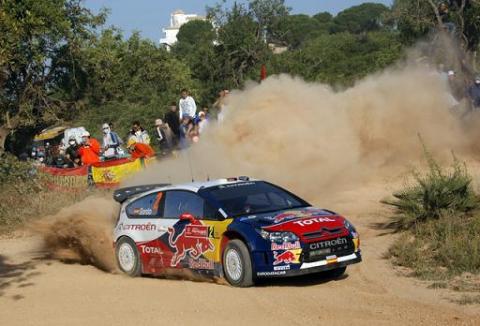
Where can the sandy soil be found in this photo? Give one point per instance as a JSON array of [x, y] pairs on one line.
[[36, 291]]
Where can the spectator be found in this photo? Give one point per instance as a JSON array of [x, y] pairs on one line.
[[444, 14], [163, 136], [207, 112], [220, 104], [71, 153], [171, 118], [185, 128], [474, 93], [139, 150], [111, 142], [187, 105], [203, 122], [89, 151], [138, 134], [456, 86]]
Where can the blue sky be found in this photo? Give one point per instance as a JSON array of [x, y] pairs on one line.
[[149, 16]]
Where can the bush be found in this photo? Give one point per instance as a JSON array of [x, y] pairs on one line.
[[437, 193], [442, 222], [440, 249], [13, 171], [23, 195]]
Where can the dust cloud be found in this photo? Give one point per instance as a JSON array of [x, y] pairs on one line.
[[304, 136], [315, 140], [82, 233]]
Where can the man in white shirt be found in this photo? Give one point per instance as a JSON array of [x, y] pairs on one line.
[[186, 105]]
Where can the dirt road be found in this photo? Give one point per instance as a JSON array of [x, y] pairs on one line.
[[34, 291]]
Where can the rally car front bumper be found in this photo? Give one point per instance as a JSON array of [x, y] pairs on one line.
[[314, 267]]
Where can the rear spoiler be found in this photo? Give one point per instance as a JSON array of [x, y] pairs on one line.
[[122, 194]]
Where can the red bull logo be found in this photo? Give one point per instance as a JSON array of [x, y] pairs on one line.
[[192, 240], [286, 257]]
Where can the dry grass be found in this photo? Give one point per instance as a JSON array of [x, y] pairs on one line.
[[24, 196]]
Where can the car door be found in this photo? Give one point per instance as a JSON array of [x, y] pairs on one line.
[[145, 225], [189, 238]]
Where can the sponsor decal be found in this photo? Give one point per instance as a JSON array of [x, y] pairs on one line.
[[202, 231], [314, 220], [286, 245], [234, 185], [285, 257], [328, 243], [137, 227], [281, 268], [271, 273], [287, 216], [151, 250], [142, 211], [200, 263], [184, 243], [290, 215]]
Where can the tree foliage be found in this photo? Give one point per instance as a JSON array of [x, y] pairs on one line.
[[57, 64], [416, 19], [40, 44], [366, 17], [341, 58]]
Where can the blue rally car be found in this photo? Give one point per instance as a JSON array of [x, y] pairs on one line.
[[236, 228]]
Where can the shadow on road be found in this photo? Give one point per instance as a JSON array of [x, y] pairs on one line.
[[303, 280], [18, 275]]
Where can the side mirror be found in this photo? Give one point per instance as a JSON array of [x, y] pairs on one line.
[[187, 217]]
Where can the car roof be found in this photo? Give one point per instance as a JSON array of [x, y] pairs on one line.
[[194, 186], [197, 185]]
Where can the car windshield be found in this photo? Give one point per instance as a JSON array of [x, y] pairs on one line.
[[253, 197]]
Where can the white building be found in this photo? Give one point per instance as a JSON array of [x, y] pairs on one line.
[[177, 19]]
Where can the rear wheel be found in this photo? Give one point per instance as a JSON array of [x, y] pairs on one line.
[[237, 264], [128, 259]]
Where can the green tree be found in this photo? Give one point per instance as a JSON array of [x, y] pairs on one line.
[[129, 80], [195, 47], [357, 19], [415, 19], [340, 59], [323, 17], [294, 30], [241, 47], [39, 42], [267, 13]]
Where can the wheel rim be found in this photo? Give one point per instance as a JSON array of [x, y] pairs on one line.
[[126, 257], [233, 265]]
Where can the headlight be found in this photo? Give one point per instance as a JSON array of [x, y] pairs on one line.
[[278, 237], [350, 228]]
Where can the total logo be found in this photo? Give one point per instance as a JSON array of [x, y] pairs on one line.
[[151, 250], [314, 220]]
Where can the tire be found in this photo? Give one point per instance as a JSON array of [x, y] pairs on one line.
[[128, 259], [237, 265], [335, 273]]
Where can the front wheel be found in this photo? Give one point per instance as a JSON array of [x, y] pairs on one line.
[[127, 257], [237, 264]]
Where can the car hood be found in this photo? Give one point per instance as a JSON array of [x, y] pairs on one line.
[[304, 222]]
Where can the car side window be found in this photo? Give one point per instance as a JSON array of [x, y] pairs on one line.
[[149, 206], [178, 202]]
